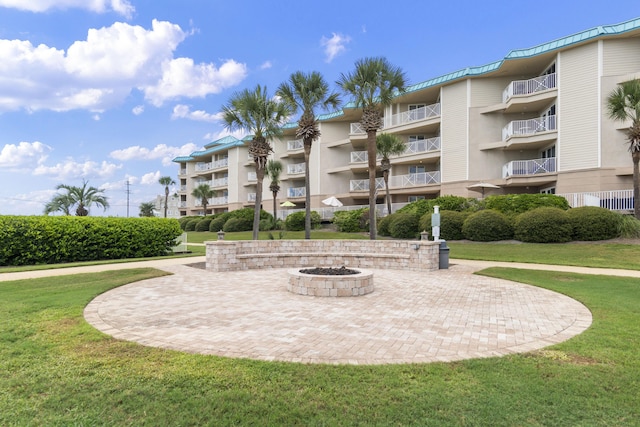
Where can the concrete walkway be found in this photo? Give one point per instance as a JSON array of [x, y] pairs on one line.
[[411, 317]]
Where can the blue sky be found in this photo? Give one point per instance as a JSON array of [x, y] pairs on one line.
[[111, 90]]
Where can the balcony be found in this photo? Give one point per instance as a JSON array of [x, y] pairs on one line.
[[183, 204], [529, 167], [220, 182], [222, 163], [413, 147], [528, 87], [363, 184], [251, 197], [252, 176], [296, 192], [406, 117], [295, 145], [219, 200], [183, 171], [415, 179], [296, 168], [529, 127], [202, 167], [203, 182], [183, 188]]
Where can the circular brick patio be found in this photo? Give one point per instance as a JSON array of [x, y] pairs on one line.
[[412, 317]]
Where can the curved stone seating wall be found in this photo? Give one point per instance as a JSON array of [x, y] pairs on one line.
[[415, 255]]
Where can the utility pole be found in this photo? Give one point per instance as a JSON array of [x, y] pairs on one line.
[[128, 192]]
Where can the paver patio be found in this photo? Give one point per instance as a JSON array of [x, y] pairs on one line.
[[411, 317]]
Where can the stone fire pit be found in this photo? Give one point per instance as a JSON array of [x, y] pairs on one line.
[[330, 282]]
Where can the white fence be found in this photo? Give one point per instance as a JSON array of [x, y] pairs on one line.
[[296, 168], [294, 145], [413, 147], [414, 179], [526, 87], [363, 184], [617, 200], [296, 192], [528, 127]]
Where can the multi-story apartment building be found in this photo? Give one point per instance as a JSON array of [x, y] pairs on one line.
[[535, 121]]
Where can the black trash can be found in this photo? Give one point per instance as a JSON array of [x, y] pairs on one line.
[[444, 255]]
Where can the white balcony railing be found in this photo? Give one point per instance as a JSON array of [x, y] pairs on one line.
[[252, 176], [220, 182], [526, 87], [359, 156], [617, 200], [363, 184], [200, 167], [296, 168], [405, 117], [416, 114], [415, 179], [203, 182], [251, 197], [413, 147], [294, 145], [296, 192], [219, 200], [183, 171], [183, 188], [183, 204], [529, 167], [222, 163], [528, 127]]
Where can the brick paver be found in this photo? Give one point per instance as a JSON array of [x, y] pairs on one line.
[[411, 317]]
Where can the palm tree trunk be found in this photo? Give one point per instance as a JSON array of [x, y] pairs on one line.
[[166, 200], [275, 206], [371, 153], [307, 189], [385, 176], [256, 210], [636, 184]]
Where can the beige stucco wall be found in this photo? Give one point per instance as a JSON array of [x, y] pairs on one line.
[[454, 165]]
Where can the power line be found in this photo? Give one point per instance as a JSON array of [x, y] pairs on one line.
[[128, 191]]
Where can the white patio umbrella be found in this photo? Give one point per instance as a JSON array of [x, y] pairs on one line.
[[480, 186], [332, 201]]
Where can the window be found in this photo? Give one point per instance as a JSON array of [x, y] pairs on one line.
[[413, 169], [415, 198], [549, 152], [550, 190], [413, 138], [550, 70]]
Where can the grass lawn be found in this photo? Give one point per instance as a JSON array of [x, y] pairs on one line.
[[55, 369]]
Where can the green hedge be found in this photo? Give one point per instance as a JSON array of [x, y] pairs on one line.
[[450, 224], [29, 240], [404, 225], [446, 203], [295, 221], [487, 226], [352, 221], [543, 225], [594, 223]]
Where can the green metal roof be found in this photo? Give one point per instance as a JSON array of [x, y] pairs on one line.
[[222, 144]]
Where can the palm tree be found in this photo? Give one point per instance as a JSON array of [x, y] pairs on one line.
[[274, 168], [204, 193], [60, 203], [388, 145], [372, 85], [263, 116], [166, 181], [307, 92], [81, 197], [147, 208], [624, 104]]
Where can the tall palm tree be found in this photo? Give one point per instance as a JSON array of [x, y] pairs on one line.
[[274, 168], [624, 104], [263, 116], [388, 145], [60, 203], [166, 181], [204, 193], [81, 197], [146, 209], [372, 85], [307, 92]]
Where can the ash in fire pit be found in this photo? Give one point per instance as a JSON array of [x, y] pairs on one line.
[[329, 271]]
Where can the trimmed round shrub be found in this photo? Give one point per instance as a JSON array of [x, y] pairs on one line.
[[594, 223], [238, 224], [203, 224], [266, 225], [450, 224], [217, 223], [629, 227], [191, 224], [487, 226], [543, 225], [185, 219], [352, 221], [383, 225], [519, 203], [419, 207], [295, 221], [404, 226]]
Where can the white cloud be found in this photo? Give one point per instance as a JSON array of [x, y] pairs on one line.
[[150, 178], [181, 77], [214, 136], [100, 72], [70, 169], [334, 46], [266, 65], [138, 109], [161, 151], [181, 111], [123, 7], [23, 155]]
